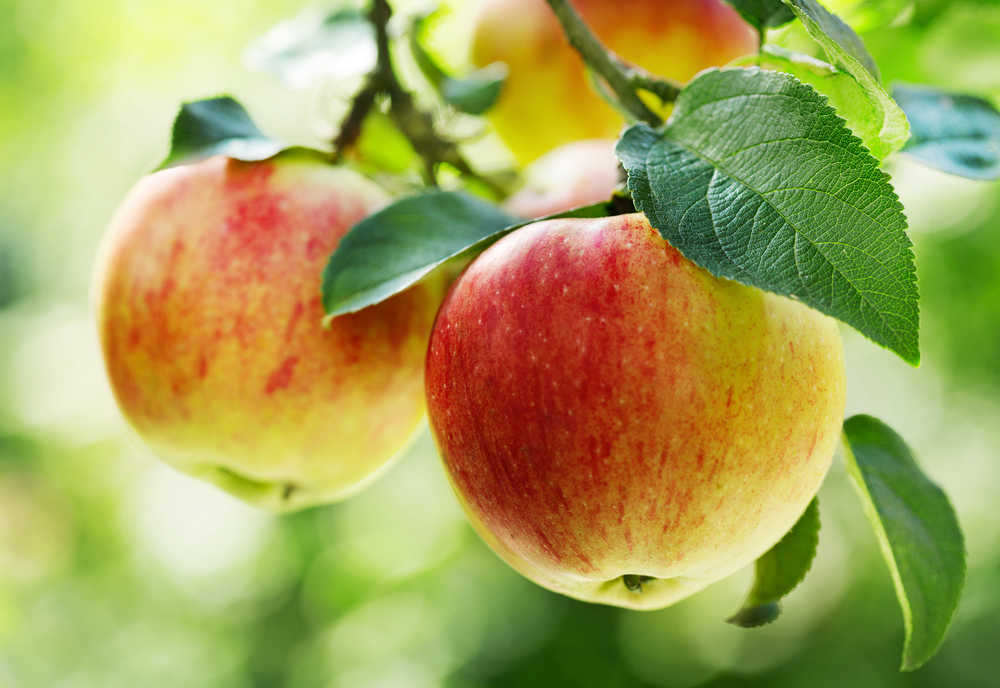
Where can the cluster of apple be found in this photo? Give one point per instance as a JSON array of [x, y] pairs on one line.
[[619, 425]]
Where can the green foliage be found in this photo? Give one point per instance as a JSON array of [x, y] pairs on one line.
[[396, 247], [780, 570], [763, 14], [756, 179], [847, 52], [217, 126], [953, 133], [917, 530], [869, 113]]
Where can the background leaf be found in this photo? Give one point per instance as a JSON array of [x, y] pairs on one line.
[[847, 52], [756, 179], [763, 14], [953, 133], [315, 44], [218, 126], [780, 570], [917, 530]]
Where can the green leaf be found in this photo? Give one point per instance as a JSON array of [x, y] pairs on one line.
[[472, 94], [298, 52], [779, 571], [218, 126], [755, 178], [847, 52], [917, 530], [841, 43], [953, 133], [475, 93], [866, 15], [396, 247], [763, 14], [870, 114]]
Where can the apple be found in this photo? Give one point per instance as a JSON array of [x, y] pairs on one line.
[[618, 424], [548, 101], [207, 301], [574, 174]]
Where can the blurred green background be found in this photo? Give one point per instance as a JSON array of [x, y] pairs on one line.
[[118, 571]]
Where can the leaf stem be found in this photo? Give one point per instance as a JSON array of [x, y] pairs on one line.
[[620, 77]]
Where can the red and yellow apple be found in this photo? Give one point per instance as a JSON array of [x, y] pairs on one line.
[[548, 101], [574, 174], [207, 299], [620, 425]]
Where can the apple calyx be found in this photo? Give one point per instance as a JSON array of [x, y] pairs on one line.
[[634, 582]]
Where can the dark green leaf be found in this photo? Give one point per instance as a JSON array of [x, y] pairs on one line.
[[845, 48], [953, 133], [218, 126], [780, 570], [763, 14], [917, 529], [755, 178], [870, 113], [387, 252], [339, 43], [396, 247]]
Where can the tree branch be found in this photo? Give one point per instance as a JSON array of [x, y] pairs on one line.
[[619, 77]]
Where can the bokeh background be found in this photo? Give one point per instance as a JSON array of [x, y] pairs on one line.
[[117, 571]]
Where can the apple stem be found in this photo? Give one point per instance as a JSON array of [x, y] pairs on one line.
[[622, 78], [417, 126]]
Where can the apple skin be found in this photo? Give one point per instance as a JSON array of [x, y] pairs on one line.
[[574, 174], [603, 407], [548, 100], [207, 302]]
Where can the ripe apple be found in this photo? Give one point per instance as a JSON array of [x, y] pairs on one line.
[[548, 101], [575, 174], [208, 310], [620, 425]]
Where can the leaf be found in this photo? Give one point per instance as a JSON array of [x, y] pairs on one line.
[[763, 14], [866, 15], [396, 247], [755, 178], [475, 93], [917, 530], [952, 133], [472, 94], [779, 571], [868, 113], [839, 40], [847, 52], [315, 44], [218, 126]]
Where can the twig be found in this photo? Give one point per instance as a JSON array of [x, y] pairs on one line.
[[619, 77]]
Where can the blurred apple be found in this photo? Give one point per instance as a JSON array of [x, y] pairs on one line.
[[548, 101], [208, 309], [578, 173], [620, 425]]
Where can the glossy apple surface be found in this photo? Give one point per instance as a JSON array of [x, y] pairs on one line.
[[208, 310], [607, 410], [574, 174], [548, 100]]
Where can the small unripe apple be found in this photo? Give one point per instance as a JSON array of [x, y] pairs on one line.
[[575, 174], [207, 299], [548, 101], [620, 425]]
